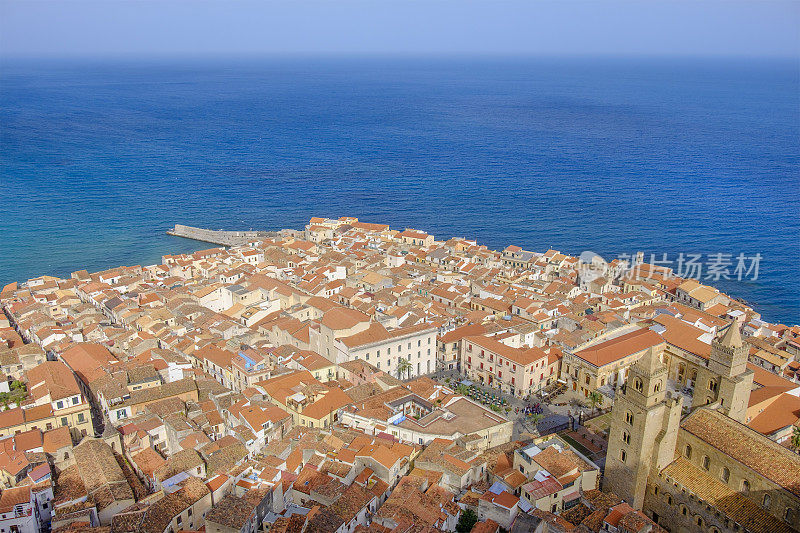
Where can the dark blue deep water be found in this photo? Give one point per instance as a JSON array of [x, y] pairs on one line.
[[97, 160]]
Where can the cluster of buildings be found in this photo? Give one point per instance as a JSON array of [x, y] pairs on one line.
[[286, 385]]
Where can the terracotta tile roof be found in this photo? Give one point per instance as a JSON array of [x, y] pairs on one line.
[[410, 504], [374, 333], [221, 358], [683, 335], [747, 446], [616, 514], [489, 526], [156, 517], [560, 463], [14, 496], [540, 489], [505, 499], [343, 318], [88, 360], [28, 440], [292, 524], [381, 454], [216, 482], [148, 461], [782, 412], [182, 461], [619, 347], [101, 473], [314, 361], [12, 461], [231, 511], [520, 356], [333, 400], [370, 226], [464, 331], [351, 502], [53, 378], [310, 479], [322, 520], [40, 412], [280, 387], [733, 504], [12, 417]]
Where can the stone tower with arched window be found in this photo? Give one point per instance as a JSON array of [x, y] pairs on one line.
[[644, 428], [726, 381]]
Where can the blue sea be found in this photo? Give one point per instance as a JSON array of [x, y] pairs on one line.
[[667, 156]]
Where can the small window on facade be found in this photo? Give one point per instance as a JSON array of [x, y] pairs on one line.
[[767, 500], [688, 452], [745, 486], [726, 474], [622, 455], [706, 462]]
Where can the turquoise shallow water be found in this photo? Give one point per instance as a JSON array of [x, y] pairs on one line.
[[612, 155]]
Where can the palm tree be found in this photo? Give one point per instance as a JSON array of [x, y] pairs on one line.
[[535, 419], [796, 438], [595, 399], [403, 366]]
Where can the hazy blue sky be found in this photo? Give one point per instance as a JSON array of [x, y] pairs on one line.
[[169, 27]]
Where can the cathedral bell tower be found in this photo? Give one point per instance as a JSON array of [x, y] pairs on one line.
[[644, 429], [726, 381]]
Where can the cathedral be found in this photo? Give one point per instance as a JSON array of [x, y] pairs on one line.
[[705, 471]]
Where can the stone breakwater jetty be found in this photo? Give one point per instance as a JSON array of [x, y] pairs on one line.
[[220, 237]]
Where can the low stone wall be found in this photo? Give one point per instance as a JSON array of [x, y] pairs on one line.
[[220, 237]]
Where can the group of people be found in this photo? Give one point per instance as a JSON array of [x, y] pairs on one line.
[[532, 409]]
